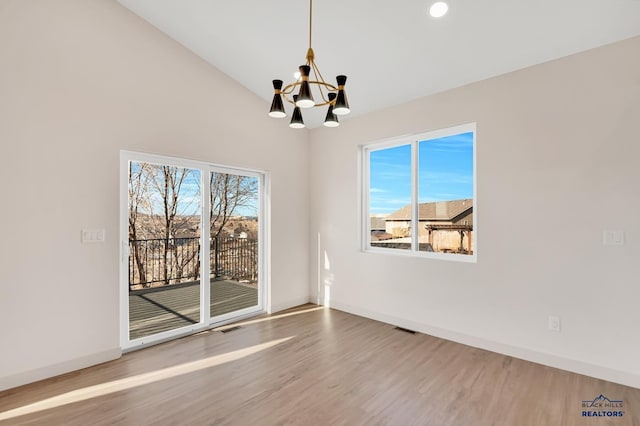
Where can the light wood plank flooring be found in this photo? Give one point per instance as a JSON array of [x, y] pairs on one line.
[[314, 366]]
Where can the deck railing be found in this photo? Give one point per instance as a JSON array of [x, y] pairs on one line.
[[176, 260]]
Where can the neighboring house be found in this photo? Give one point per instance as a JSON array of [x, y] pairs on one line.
[[445, 225], [378, 229]]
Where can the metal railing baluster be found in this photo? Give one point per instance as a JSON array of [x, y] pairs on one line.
[[232, 258]]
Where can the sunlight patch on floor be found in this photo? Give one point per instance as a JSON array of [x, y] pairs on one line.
[[272, 317], [139, 380]]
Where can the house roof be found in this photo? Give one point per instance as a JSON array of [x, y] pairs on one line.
[[378, 222], [439, 210]]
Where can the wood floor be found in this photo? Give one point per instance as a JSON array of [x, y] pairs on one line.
[[166, 308], [315, 366]]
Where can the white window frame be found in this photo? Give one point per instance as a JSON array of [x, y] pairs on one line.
[[413, 141], [206, 322]]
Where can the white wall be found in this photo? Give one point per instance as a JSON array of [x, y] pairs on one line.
[[80, 81], [557, 155]]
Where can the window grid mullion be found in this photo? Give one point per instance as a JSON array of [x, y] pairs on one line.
[[414, 197], [366, 229]]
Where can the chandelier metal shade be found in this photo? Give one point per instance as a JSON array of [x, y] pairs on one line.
[[312, 91]]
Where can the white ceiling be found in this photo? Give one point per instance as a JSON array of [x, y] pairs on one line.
[[391, 51]]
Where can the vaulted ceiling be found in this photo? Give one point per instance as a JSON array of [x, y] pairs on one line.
[[391, 51]]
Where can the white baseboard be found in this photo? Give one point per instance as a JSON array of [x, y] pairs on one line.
[[551, 360], [31, 376], [277, 307]]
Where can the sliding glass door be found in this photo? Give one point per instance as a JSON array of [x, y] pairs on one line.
[[192, 246], [234, 243], [164, 212]]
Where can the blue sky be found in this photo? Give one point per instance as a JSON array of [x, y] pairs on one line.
[[189, 199], [445, 172]]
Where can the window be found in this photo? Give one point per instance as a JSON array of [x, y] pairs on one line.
[[419, 195]]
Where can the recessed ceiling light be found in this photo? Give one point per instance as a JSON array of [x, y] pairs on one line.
[[438, 9]]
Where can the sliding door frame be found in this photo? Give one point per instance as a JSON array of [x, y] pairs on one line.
[[206, 321]]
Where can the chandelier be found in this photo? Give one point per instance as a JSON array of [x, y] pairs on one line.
[[313, 91]]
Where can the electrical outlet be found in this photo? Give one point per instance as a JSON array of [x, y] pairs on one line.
[[554, 323]]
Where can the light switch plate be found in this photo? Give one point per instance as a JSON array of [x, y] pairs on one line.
[[93, 235], [613, 238]]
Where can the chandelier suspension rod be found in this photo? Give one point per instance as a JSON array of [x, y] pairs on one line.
[[310, 20]]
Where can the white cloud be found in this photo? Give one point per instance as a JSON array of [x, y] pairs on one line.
[[377, 190]]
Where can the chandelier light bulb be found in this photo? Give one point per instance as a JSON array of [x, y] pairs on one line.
[[305, 103]]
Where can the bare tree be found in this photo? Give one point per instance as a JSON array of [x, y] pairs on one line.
[[168, 183], [229, 193], [138, 199]]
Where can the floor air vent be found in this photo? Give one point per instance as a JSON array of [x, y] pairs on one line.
[[229, 330], [406, 330]]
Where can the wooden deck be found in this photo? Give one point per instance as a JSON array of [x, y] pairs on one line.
[[161, 309]]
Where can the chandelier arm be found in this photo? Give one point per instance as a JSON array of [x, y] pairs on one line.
[[319, 76], [291, 101], [321, 84], [327, 86], [289, 88]]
